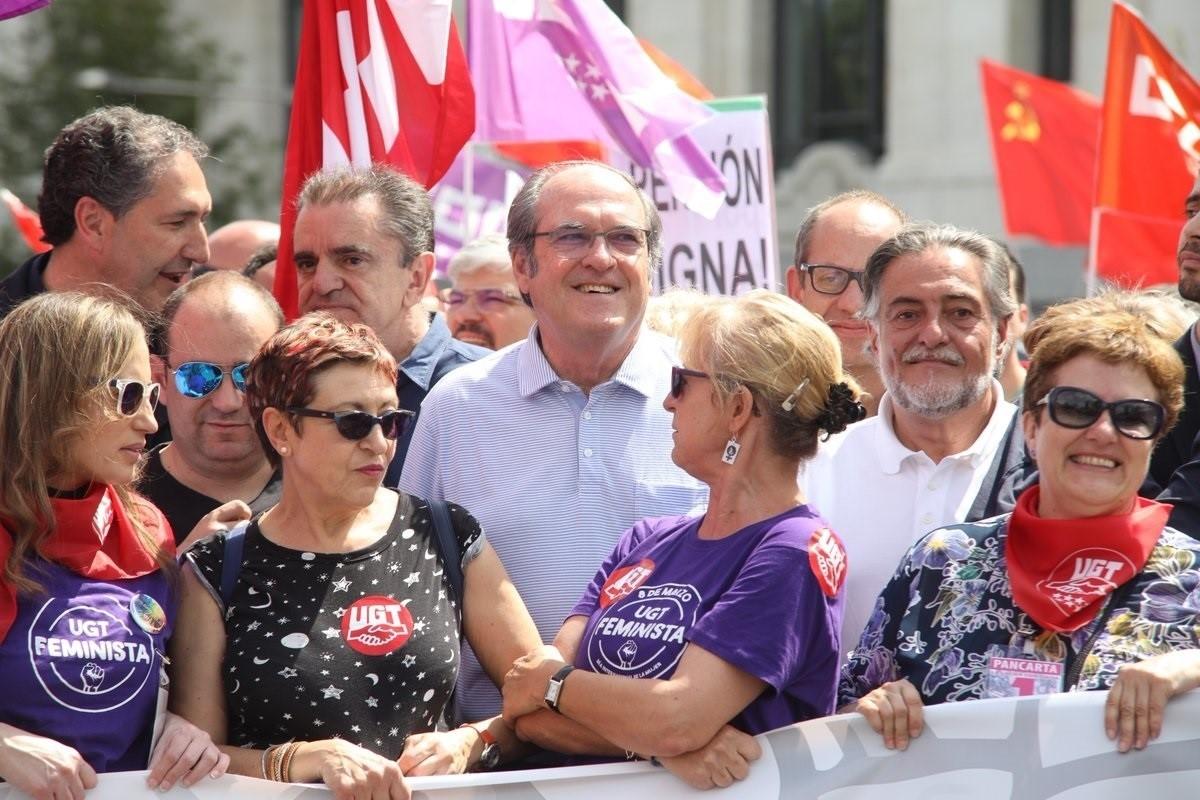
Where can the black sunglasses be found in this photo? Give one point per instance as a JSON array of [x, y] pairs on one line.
[[679, 377], [1076, 408], [356, 425], [131, 393], [828, 279]]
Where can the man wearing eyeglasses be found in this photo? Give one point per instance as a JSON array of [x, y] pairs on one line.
[[483, 305], [833, 244], [561, 442], [212, 327]]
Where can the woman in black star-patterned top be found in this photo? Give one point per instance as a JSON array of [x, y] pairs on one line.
[[342, 631]]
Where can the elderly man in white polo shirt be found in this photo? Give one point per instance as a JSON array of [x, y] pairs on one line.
[[938, 303], [560, 442]]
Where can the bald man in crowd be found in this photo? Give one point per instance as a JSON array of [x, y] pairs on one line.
[[232, 245], [835, 239], [213, 326]]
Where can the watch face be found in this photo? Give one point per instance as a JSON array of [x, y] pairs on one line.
[[490, 757]]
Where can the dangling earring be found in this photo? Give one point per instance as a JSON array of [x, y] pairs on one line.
[[732, 448]]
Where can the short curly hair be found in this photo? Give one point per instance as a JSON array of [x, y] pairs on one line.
[[282, 374], [113, 155], [1106, 331]]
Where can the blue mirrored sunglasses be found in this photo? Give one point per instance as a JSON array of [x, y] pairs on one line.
[[201, 378]]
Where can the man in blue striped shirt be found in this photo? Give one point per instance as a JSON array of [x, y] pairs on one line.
[[560, 442]]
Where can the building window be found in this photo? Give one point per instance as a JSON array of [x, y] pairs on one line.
[[829, 75], [1057, 37]]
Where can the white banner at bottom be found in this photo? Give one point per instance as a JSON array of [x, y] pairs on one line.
[[1037, 748]]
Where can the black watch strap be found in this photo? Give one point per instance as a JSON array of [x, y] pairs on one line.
[[555, 686]]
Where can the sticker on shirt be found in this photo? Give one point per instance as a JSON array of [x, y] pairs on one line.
[[376, 625], [90, 657], [643, 635], [1021, 677], [1084, 576], [827, 559], [624, 581]]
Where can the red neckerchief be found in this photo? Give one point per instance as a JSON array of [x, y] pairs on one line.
[[1062, 570], [93, 538]]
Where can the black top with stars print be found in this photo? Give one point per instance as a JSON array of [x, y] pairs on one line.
[[360, 645]]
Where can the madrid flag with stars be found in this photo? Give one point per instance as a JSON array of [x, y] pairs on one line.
[[376, 81]]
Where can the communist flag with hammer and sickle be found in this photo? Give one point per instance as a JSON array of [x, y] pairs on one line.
[[1044, 139]]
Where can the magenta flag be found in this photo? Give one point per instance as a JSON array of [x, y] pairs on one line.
[[15, 8], [570, 69]]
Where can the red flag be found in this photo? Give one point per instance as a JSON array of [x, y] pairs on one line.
[[1148, 156], [539, 154], [27, 221], [376, 81], [1044, 137]]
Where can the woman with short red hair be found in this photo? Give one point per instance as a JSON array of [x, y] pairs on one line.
[[334, 652]]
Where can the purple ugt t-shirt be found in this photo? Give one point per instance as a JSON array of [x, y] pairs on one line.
[[753, 599], [77, 668]]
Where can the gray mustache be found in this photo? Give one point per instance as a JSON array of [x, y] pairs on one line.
[[945, 354]]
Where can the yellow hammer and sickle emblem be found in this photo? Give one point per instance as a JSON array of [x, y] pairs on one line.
[[1022, 119]]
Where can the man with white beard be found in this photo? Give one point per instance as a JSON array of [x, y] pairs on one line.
[[938, 304]]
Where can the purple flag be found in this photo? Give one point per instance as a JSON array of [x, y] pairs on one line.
[[15, 8], [561, 69]]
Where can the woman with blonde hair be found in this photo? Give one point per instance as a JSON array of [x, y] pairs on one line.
[[87, 599], [700, 631]]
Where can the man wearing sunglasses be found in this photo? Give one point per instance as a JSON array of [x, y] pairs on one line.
[[483, 305], [363, 253], [213, 326], [560, 442], [123, 203], [833, 244], [938, 304]]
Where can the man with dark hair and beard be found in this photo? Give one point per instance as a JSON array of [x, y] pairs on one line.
[[1178, 446], [938, 303]]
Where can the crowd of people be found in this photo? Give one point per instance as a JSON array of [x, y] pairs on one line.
[[541, 517]]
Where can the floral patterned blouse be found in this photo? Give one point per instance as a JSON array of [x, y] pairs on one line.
[[949, 609]]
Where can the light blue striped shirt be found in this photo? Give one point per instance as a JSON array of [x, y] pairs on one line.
[[553, 476]]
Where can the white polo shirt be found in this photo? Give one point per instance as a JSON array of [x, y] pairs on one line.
[[880, 497]]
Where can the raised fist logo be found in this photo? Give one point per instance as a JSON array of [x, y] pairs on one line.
[[92, 675], [627, 653]]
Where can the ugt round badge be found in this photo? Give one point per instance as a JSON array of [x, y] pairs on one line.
[[147, 613]]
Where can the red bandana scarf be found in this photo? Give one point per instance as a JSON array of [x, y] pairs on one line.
[[1062, 570], [94, 538]]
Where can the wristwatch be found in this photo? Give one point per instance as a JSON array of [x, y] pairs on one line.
[[555, 687], [489, 757]]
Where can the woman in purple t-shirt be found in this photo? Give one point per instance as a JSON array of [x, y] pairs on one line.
[[697, 631], [86, 605]]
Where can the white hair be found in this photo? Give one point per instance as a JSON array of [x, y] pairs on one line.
[[486, 252]]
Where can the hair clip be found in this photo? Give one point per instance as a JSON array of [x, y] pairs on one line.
[[790, 401]]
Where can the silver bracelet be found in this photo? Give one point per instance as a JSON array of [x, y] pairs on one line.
[[266, 752]]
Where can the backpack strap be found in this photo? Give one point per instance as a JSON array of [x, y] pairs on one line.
[[443, 529], [231, 566]]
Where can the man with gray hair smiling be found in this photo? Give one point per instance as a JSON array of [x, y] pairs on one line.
[[938, 304], [561, 442], [483, 305]]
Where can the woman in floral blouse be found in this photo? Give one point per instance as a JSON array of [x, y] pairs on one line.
[[1083, 586]]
